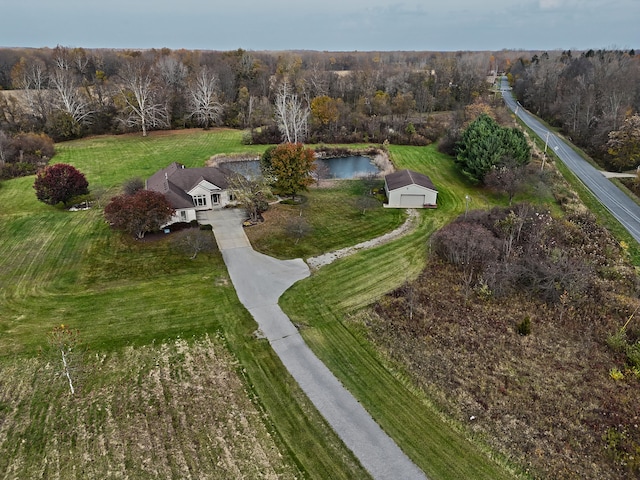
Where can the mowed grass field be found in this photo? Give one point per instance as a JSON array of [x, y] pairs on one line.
[[155, 322], [324, 303], [135, 303], [334, 219]]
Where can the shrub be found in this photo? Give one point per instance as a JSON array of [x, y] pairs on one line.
[[132, 185], [206, 227], [178, 226], [524, 327], [15, 170], [633, 355], [618, 341], [616, 374], [60, 183]]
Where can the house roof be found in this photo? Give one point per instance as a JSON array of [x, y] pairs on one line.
[[403, 178], [176, 180]]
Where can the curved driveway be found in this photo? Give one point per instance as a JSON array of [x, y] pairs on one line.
[[625, 210], [259, 281]]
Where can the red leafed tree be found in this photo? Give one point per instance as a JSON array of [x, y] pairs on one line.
[[142, 212], [60, 183]]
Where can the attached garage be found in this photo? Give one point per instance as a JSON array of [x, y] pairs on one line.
[[409, 189]]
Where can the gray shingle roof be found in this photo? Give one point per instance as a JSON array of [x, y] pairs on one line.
[[176, 180], [403, 178]]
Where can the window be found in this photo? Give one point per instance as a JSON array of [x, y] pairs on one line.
[[215, 198], [200, 200], [183, 215]]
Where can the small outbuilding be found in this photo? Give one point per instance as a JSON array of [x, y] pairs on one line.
[[409, 189]]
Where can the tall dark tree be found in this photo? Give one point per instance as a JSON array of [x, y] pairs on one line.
[[485, 144], [60, 183]]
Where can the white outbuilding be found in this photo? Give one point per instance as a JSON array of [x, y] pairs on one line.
[[409, 189]]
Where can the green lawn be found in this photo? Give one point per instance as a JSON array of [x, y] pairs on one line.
[[109, 160], [334, 218], [63, 267], [324, 302]]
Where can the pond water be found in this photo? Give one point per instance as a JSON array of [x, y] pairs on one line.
[[340, 168], [349, 167]]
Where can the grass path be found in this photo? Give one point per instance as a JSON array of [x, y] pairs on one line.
[[322, 305]]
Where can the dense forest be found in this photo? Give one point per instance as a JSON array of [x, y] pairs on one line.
[[401, 97]]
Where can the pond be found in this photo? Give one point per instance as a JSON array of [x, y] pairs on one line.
[[339, 168], [349, 167]]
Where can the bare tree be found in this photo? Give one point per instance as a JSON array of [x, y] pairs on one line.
[[298, 227], [132, 185], [172, 72], [508, 177], [70, 97], [291, 115], [194, 241], [251, 194], [64, 347], [33, 79], [366, 202], [204, 106], [6, 148], [141, 105], [322, 171]]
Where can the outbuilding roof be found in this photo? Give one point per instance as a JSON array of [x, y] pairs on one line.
[[403, 178], [176, 180]]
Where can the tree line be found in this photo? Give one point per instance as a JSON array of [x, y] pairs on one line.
[[313, 97], [71, 92], [589, 95]]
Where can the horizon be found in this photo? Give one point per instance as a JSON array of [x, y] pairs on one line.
[[330, 26]]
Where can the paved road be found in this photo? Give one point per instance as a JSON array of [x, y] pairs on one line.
[[260, 280], [625, 210]]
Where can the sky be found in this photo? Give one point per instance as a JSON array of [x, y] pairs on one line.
[[327, 25]]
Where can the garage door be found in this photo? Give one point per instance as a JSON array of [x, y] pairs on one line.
[[412, 200]]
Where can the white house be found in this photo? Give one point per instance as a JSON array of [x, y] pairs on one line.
[[409, 189], [191, 190]]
